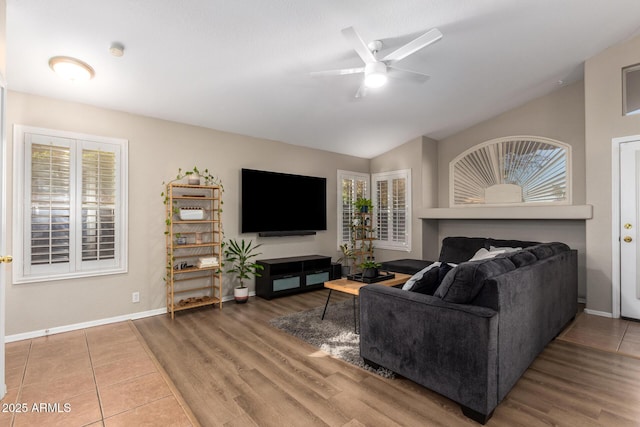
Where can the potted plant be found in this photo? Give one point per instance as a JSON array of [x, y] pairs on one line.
[[345, 259], [370, 269], [363, 205], [239, 256]]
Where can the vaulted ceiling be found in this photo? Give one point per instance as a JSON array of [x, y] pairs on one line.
[[244, 66]]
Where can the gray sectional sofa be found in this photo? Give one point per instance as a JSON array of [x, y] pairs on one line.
[[473, 334]]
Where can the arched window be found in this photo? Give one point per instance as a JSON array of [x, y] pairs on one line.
[[512, 170]]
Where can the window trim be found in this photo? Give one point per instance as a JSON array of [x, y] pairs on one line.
[[389, 176], [21, 207]]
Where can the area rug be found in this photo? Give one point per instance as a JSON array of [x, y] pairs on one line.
[[334, 335]]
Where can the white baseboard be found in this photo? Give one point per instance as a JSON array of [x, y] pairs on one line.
[[83, 325], [582, 300], [92, 323], [598, 313]]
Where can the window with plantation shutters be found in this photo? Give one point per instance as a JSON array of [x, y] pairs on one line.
[[392, 209], [99, 205], [351, 186], [72, 205], [50, 210]]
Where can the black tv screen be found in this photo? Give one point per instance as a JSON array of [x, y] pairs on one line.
[[282, 204]]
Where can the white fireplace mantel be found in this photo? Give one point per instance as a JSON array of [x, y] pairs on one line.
[[569, 212]]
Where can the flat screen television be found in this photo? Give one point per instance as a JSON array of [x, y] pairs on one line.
[[281, 204]]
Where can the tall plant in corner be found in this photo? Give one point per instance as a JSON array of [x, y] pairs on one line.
[[239, 258]]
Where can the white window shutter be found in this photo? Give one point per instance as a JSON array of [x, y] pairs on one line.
[[392, 206]]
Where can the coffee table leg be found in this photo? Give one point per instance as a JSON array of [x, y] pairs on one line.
[[326, 304]]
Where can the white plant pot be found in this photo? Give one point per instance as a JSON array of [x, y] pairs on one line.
[[241, 295]]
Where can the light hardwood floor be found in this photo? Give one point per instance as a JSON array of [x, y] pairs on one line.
[[234, 369]]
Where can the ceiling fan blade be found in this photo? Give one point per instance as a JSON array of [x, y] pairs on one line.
[[341, 72], [358, 45], [415, 45], [398, 73], [362, 91]]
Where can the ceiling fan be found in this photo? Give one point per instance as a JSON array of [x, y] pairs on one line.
[[377, 70]]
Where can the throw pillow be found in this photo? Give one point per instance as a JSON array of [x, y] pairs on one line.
[[418, 276], [444, 269], [506, 249], [485, 254], [428, 283]]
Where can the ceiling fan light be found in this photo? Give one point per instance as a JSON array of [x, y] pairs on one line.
[[71, 68], [375, 75], [375, 80]]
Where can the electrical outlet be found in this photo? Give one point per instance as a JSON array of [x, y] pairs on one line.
[[135, 297]]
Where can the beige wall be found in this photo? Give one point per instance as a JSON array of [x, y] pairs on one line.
[[156, 150], [558, 115], [604, 121], [419, 156]]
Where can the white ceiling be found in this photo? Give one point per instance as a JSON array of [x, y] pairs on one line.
[[243, 66]]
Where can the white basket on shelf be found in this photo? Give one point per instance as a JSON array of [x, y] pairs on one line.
[[191, 213]]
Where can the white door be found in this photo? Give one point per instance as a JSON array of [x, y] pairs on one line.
[[629, 236]]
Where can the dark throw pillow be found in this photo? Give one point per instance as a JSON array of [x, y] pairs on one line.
[[428, 283]]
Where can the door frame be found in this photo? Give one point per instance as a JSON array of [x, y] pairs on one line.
[[615, 221], [3, 229]]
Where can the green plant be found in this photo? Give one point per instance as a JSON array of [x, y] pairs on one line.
[[347, 254], [363, 205], [370, 264], [208, 180], [239, 255]]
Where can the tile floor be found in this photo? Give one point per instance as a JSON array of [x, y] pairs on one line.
[[615, 335], [102, 376]]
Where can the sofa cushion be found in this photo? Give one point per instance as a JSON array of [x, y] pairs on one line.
[[509, 243], [406, 266], [460, 249], [541, 251], [462, 284], [558, 247], [521, 258]]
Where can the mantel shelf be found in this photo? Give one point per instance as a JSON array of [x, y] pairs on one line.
[[569, 212]]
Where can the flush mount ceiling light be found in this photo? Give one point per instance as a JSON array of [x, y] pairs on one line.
[[71, 68]]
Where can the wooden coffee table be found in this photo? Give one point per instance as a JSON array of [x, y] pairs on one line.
[[352, 287]]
